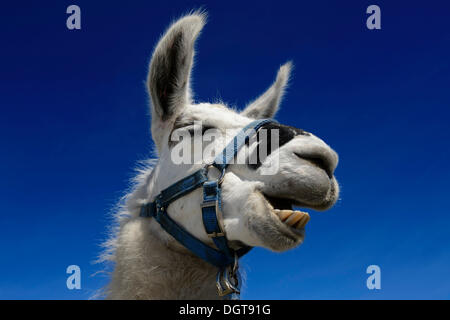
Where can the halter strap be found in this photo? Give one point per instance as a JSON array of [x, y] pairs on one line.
[[224, 258], [224, 158]]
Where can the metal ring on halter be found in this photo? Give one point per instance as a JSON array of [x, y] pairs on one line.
[[222, 173], [223, 283]]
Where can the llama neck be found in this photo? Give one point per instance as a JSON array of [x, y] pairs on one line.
[[148, 268]]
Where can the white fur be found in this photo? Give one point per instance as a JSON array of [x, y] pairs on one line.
[[151, 264]]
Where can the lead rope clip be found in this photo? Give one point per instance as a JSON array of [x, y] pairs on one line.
[[227, 280]]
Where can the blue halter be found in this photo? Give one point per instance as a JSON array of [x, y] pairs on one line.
[[225, 258]]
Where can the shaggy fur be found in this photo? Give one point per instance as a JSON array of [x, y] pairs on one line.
[[151, 264]]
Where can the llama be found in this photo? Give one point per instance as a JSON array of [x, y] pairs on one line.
[[257, 209]]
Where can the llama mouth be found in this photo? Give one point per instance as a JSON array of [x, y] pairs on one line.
[[282, 208]]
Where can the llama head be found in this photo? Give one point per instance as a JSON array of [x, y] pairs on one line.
[[256, 199]]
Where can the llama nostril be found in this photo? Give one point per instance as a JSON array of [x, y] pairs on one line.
[[319, 161]]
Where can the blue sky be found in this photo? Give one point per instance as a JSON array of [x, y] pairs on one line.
[[74, 122]]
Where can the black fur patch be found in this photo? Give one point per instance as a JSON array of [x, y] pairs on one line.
[[285, 134]]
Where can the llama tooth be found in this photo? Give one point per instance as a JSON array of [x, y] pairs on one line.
[[303, 221], [294, 218], [284, 214]]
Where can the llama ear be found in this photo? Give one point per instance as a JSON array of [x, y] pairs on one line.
[[170, 68], [269, 102]]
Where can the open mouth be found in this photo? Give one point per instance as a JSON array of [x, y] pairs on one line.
[[282, 208]]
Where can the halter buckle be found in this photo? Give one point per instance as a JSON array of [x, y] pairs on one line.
[[215, 204], [212, 203]]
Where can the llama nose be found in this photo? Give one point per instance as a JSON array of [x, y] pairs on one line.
[[324, 158]]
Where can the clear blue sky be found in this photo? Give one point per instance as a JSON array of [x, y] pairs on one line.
[[74, 122]]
